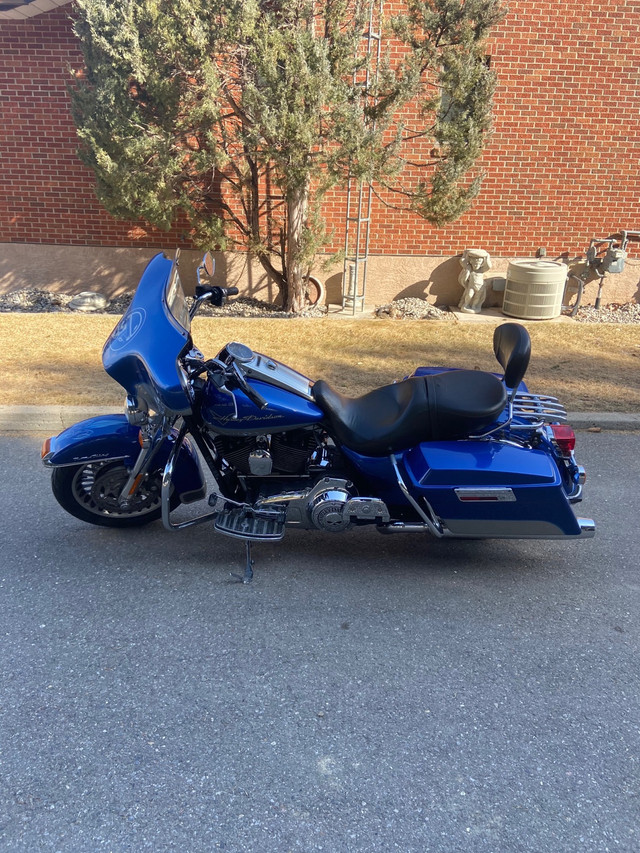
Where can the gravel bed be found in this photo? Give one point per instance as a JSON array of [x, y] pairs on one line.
[[38, 301], [614, 313], [245, 306], [412, 308]]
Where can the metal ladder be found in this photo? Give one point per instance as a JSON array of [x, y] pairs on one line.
[[359, 195]]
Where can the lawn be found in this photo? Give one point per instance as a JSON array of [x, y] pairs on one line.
[[55, 358]]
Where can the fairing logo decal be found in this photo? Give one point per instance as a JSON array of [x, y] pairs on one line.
[[127, 329]]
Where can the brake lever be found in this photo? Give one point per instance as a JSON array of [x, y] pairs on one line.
[[218, 373], [225, 390]]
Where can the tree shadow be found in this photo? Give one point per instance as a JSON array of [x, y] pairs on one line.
[[441, 287]]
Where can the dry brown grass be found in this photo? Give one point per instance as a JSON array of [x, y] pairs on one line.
[[55, 359]]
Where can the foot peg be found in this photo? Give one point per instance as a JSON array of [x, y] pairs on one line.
[[243, 524]]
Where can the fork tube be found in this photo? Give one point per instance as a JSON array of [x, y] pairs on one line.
[[137, 473]]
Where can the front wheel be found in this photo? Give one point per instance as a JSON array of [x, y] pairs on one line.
[[90, 492]]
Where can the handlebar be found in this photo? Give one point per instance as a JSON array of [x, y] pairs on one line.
[[214, 294], [250, 392], [210, 293], [220, 373]]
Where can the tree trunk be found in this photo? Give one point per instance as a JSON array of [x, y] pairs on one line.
[[297, 206]]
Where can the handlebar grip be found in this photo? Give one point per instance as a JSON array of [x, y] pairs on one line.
[[231, 291], [256, 398], [250, 392]]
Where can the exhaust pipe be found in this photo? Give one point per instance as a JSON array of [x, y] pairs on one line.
[[587, 528]]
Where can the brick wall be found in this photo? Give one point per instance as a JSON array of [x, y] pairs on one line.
[[46, 194], [562, 165]]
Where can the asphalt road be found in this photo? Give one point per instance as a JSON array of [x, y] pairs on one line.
[[365, 693]]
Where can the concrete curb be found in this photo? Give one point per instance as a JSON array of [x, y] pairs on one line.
[[53, 419], [604, 420]]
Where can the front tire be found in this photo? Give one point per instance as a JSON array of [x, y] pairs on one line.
[[90, 492]]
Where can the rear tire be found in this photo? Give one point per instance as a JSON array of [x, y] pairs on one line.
[[90, 493]]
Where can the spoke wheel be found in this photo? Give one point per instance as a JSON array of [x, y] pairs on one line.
[[90, 493]]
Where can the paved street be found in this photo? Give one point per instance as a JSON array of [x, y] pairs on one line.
[[366, 693]]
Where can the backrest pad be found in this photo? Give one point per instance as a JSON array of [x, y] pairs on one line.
[[512, 346]]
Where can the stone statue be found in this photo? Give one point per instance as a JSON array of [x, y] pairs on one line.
[[474, 262]]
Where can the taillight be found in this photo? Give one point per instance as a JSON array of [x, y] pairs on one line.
[[564, 437]]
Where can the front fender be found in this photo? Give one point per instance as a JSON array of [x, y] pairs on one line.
[[110, 437]]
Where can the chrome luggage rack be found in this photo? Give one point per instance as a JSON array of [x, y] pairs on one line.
[[528, 412], [536, 410]]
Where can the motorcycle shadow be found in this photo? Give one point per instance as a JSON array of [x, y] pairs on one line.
[[361, 553]]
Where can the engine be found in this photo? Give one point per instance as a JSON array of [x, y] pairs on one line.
[[263, 455], [271, 464]]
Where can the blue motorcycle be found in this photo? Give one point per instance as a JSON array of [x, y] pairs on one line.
[[454, 453]]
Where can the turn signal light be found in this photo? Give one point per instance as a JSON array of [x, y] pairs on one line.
[[564, 437]]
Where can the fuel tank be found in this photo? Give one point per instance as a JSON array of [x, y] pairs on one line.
[[289, 401]]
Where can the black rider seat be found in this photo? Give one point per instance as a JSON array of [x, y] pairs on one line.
[[437, 407]]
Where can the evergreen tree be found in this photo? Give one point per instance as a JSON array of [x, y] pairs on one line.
[[242, 114]]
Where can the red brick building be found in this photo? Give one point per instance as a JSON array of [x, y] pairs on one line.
[[561, 167]]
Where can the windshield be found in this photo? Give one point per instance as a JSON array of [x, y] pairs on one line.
[[176, 300]]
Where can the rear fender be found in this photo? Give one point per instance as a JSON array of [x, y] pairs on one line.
[[112, 437]]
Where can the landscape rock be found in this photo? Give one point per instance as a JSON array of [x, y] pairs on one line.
[[88, 301], [412, 308], [629, 312]]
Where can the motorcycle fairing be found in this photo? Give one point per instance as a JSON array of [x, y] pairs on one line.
[[132, 355], [111, 437], [376, 475]]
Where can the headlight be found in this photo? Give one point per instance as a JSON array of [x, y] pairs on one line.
[[136, 411]]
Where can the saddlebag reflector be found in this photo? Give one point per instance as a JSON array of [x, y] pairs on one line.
[[496, 495]]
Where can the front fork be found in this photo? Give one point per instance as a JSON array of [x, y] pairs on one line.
[[138, 471], [153, 431], [151, 437]]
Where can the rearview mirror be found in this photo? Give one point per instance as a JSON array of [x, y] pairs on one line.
[[208, 265]]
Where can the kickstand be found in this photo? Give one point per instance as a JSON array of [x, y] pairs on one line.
[[248, 570]]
